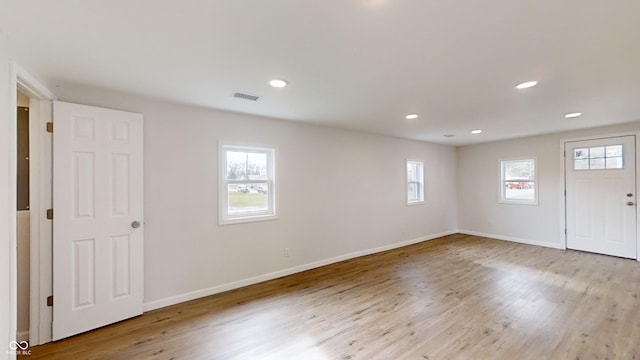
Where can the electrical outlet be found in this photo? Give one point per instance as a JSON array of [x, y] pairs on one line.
[[287, 253]]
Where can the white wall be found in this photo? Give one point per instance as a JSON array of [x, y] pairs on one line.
[[478, 187], [341, 193], [7, 209]]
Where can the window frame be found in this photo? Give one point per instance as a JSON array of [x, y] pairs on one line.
[[224, 217], [604, 158], [502, 188], [421, 184]]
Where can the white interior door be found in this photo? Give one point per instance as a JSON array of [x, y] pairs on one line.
[[601, 196], [97, 197]]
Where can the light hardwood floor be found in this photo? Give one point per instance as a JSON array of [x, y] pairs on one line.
[[457, 297]]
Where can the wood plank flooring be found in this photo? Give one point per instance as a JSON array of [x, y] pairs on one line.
[[457, 297]]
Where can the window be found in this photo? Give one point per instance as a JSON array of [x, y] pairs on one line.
[[247, 184], [415, 182], [598, 158], [518, 181]]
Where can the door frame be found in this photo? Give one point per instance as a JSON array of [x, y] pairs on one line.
[[40, 168], [563, 182]]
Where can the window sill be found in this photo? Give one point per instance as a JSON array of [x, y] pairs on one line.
[[517, 202], [415, 203], [247, 219]]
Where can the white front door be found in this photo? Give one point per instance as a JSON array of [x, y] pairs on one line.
[[601, 195], [97, 198]]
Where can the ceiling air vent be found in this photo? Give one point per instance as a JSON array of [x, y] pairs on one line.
[[245, 96]]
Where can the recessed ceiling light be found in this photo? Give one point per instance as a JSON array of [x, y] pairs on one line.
[[278, 83], [411, 116], [573, 115], [477, 131], [526, 85]]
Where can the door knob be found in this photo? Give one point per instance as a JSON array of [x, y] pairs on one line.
[[630, 203], [136, 224], [629, 195]]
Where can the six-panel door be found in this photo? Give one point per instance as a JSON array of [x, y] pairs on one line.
[[97, 195]]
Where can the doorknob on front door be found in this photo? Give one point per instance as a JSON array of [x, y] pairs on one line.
[[136, 224], [630, 203]]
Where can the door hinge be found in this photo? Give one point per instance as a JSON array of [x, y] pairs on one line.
[[565, 192], [565, 231], [49, 214], [50, 300], [50, 127]]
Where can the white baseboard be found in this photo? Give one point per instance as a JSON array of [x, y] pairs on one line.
[[513, 239], [172, 300], [22, 336]]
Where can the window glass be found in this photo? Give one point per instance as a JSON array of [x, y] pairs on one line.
[[614, 163], [581, 153], [518, 181], [248, 183], [615, 150], [581, 164], [598, 158], [246, 198], [596, 163], [415, 182], [596, 152]]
